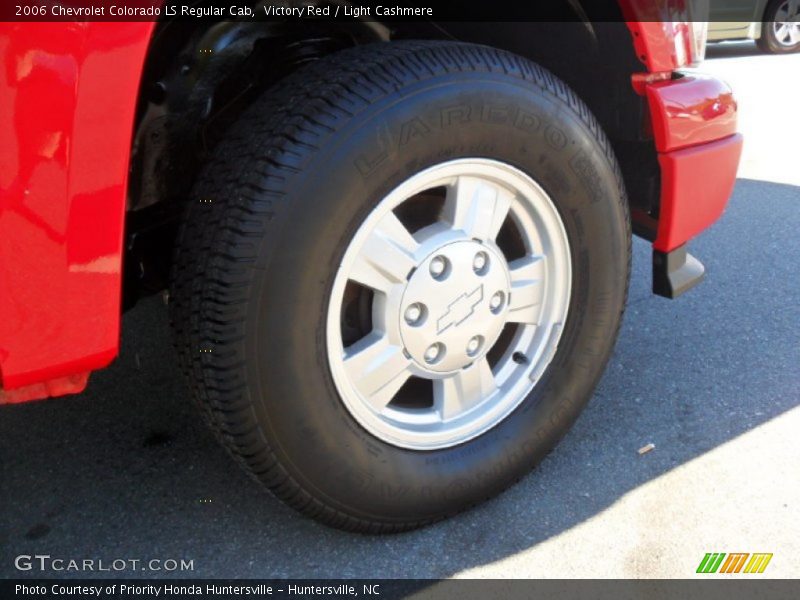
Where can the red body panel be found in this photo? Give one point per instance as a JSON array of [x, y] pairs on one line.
[[692, 110], [661, 32], [694, 120], [654, 42], [68, 93], [696, 183], [71, 384], [694, 125]]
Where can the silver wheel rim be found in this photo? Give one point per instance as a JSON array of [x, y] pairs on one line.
[[442, 296], [787, 23]]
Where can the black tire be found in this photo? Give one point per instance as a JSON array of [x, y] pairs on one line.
[[769, 42], [272, 216]]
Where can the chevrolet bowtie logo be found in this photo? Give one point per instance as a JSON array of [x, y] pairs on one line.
[[460, 309]]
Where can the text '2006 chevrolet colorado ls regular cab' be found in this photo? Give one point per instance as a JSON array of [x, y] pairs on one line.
[[397, 254]]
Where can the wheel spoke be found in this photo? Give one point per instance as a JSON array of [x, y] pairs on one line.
[[477, 207], [386, 257], [794, 33], [783, 32], [464, 390], [527, 289], [377, 368]]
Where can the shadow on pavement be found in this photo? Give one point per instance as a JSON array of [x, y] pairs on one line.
[[732, 49], [128, 470]]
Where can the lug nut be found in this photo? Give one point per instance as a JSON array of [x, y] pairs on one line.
[[479, 262], [474, 345], [434, 352], [438, 267], [414, 313], [496, 302]]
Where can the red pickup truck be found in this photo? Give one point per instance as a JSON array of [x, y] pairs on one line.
[[396, 253]]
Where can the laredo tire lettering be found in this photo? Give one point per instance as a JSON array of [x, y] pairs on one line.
[[455, 115], [496, 114], [413, 128], [555, 137], [527, 122], [368, 163]]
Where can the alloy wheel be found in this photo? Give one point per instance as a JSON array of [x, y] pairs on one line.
[[448, 304]]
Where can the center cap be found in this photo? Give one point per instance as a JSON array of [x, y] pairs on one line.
[[454, 306]]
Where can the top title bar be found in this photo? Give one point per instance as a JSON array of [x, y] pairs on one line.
[[364, 10]]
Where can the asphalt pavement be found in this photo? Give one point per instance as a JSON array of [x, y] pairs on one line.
[[127, 470]]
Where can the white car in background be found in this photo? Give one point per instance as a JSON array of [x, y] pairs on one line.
[[773, 24]]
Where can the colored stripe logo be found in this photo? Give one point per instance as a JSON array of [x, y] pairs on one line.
[[735, 562]]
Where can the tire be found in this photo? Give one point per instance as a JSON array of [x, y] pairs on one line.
[[774, 41], [274, 214]]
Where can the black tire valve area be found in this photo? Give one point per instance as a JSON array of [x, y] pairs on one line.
[[519, 358]]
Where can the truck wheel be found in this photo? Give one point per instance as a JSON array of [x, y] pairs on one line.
[[400, 279], [780, 33]]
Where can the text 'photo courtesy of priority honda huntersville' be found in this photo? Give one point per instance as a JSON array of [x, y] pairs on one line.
[[396, 254]]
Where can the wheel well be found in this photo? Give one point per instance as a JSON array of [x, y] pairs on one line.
[[200, 76]]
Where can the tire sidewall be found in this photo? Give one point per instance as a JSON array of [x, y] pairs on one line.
[[465, 115]]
